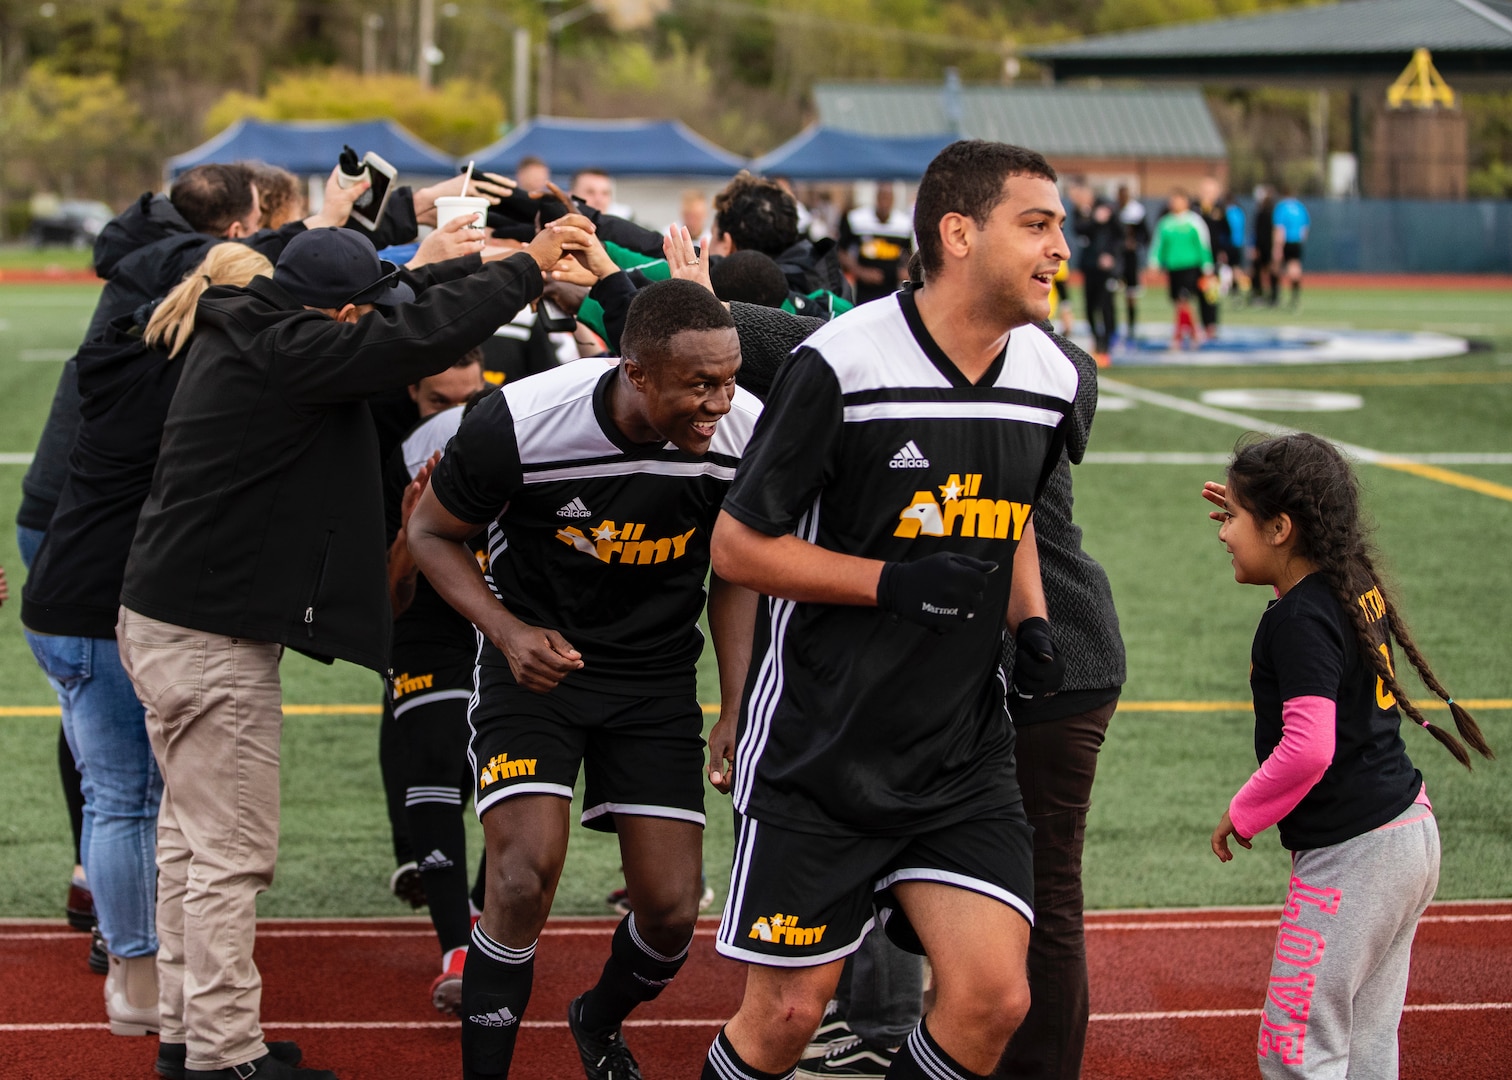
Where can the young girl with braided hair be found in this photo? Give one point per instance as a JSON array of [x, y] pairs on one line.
[[1334, 772]]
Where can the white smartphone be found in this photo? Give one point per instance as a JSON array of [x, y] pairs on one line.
[[367, 211]]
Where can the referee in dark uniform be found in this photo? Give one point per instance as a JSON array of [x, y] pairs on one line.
[[885, 506], [598, 484]]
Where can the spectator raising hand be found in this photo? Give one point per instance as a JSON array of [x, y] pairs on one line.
[[683, 259]]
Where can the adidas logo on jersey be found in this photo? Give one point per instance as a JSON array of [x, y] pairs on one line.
[[575, 509], [497, 1019], [909, 456], [436, 860]]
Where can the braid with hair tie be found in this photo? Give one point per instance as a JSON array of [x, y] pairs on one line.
[[1305, 477]]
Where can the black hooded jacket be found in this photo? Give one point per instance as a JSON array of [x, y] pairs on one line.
[[265, 519]]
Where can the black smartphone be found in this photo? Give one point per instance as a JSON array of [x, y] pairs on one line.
[[367, 211]]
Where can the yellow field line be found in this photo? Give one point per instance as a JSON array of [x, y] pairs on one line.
[[1481, 704], [1448, 476]]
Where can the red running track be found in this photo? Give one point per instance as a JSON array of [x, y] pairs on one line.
[[1175, 996]]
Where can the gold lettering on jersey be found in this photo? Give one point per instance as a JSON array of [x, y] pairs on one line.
[[625, 541], [959, 512], [408, 684], [500, 767], [784, 930], [1373, 604]]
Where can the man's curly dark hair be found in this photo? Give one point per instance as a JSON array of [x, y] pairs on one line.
[[757, 215]]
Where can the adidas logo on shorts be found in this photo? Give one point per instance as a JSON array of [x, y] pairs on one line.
[[497, 1019], [575, 509], [909, 457]]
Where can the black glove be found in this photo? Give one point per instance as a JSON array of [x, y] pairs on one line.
[[938, 591], [1037, 667], [517, 206]]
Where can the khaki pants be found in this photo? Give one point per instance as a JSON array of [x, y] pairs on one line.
[[214, 716]]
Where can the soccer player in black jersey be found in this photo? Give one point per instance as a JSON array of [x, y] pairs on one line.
[[599, 485], [884, 504]]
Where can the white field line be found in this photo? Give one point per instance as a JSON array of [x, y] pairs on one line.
[[442, 1025], [1092, 924], [1121, 457], [1135, 457]]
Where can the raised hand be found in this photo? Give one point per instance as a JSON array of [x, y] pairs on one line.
[[453, 240]]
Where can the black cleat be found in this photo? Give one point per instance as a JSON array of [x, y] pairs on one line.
[[99, 959], [605, 1057], [407, 884], [266, 1067]]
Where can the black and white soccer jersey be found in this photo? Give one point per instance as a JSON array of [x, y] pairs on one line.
[[874, 444], [591, 535]]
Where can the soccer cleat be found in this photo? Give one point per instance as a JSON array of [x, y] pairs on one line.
[[832, 1027], [79, 907], [619, 900], [407, 884], [171, 1057], [848, 1059], [605, 1057], [99, 959], [446, 990]]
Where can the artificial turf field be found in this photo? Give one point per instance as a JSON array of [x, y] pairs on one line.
[[1182, 740]]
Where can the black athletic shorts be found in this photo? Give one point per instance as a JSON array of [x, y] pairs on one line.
[[641, 755], [1291, 252], [1129, 272], [1183, 283], [805, 899], [429, 705]]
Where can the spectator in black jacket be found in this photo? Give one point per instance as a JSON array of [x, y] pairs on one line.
[[1098, 239], [264, 530], [69, 604]]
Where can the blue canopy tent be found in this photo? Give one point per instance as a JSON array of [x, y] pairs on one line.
[[619, 147], [311, 147], [825, 153]]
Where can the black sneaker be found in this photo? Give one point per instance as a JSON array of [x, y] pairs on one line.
[[605, 1057], [171, 1057], [266, 1067], [99, 959]]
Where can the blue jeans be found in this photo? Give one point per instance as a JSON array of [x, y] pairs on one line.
[[107, 730]]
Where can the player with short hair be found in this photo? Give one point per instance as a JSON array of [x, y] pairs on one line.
[[885, 506], [1289, 225], [598, 485]]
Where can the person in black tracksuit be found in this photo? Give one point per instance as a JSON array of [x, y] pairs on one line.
[[1098, 239], [264, 530]]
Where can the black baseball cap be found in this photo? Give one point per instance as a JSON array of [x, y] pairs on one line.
[[330, 268]]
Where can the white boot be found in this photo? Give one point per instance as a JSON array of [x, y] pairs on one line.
[[131, 995]]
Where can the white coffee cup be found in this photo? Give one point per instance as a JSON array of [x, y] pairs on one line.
[[451, 206]]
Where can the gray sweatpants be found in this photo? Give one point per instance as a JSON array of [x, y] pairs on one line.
[[1339, 974]]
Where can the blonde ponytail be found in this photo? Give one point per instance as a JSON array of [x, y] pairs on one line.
[[225, 264]]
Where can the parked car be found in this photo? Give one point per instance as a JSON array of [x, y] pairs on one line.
[[76, 223]]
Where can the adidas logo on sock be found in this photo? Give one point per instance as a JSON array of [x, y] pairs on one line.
[[909, 456], [497, 1019], [575, 509], [436, 861]]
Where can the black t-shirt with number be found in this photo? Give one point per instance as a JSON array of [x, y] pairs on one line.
[[1306, 647], [874, 444], [591, 535]]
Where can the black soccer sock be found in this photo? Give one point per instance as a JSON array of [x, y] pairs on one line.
[[723, 1063], [634, 973], [920, 1058], [1296, 292], [495, 990], [435, 828]]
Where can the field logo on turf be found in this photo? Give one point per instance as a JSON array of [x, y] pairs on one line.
[[499, 767], [909, 456], [408, 684], [496, 1019], [784, 930], [625, 541], [959, 512]]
